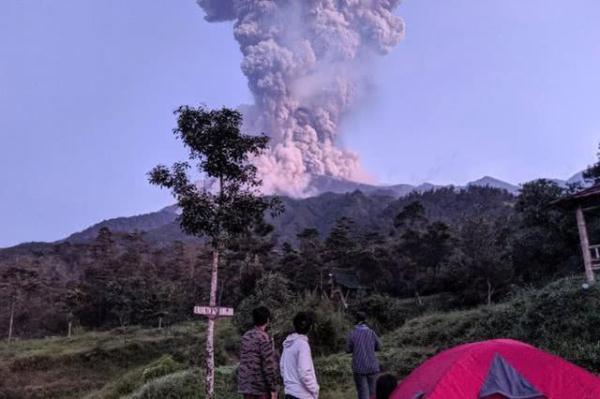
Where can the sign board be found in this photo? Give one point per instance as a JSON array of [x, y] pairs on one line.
[[213, 311]]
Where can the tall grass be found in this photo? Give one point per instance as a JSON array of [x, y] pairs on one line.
[[145, 364]]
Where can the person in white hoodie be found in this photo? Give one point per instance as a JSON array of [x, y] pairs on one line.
[[297, 369]]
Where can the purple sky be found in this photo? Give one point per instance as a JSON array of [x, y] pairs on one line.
[[505, 88]]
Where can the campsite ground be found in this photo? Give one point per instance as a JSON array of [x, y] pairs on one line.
[[157, 363]]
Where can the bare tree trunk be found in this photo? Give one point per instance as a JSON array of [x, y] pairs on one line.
[[69, 329], [10, 323], [418, 298], [321, 282], [210, 350], [489, 292]]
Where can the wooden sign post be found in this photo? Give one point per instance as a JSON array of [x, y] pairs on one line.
[[213, 312]]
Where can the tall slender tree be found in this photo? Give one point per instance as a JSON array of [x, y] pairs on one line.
[[592, 173], [222, 154], [17, 284]]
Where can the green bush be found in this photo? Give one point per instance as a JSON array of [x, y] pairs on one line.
[[386, 313], [402, 361], [442, 330], [123, 385], [272, 291], [187, 384], [163, 366], [334, 370], [227, 343], [331, 324], [180, 385], [561, 318]]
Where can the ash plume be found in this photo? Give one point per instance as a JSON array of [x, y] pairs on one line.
[[305, 63]]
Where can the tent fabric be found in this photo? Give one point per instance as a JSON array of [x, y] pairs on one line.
[[503, 379], [461, 373]]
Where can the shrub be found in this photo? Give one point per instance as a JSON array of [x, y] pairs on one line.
[[387, 313], [180, 385], [334, 371], [561, 318], [187, 384], [330, 328], [331, 324], [227, 343], [163, 366], [402, 361], [272, 291]]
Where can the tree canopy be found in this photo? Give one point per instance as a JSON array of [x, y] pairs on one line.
[[220, 152]]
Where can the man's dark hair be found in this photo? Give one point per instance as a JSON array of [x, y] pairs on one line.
[[386, 384], [303, 322], [361, 317], [261, 316]]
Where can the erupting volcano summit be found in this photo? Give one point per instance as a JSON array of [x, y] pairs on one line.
[[306, 62]]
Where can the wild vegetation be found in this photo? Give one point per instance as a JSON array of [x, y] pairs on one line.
[[431, 270], [471, 246], [151, 363]]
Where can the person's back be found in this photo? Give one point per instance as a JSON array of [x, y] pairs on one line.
[[362, 343], [297, 369], [257, 373]]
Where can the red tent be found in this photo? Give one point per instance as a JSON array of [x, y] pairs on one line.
[[498, 369]]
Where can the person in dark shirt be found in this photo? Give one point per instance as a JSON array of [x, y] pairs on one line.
[[362, 343], [386, 385], [257, 374]]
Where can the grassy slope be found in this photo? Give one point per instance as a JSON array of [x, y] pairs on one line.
[[561, 318], [69, 368]]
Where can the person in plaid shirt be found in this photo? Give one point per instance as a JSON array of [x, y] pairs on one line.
[[257, 374]]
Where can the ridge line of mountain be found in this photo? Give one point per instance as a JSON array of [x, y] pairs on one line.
[[163, 219]]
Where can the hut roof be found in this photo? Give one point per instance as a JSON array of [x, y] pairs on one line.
[[589, 197], [346, 279]]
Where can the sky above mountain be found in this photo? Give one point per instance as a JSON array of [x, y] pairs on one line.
[[87, 88]]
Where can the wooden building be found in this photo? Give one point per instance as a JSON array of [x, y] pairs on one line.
[[585, 202], [342, 284]]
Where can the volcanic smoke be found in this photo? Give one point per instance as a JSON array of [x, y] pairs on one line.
[[305, 63]]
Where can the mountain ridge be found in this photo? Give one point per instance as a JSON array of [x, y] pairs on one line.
[[161, 225]]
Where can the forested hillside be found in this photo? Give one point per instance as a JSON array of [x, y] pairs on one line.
[[470, 245]]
